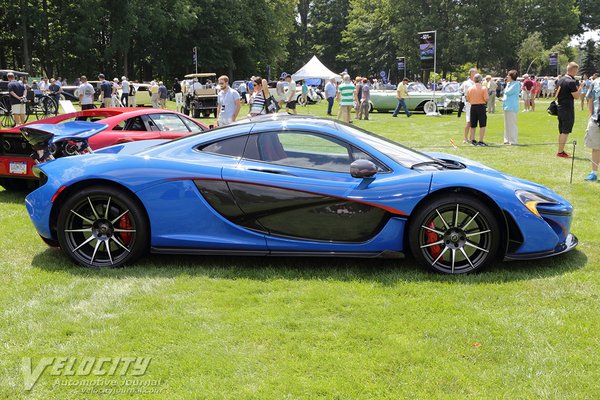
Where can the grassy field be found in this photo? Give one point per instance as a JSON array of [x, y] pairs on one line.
[[291, 328]]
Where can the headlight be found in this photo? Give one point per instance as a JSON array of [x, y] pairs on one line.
[[531, 200]]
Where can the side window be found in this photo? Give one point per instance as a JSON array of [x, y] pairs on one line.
[[131, 124], [169, 123], [302, 150], [233, 147], [192, 126]]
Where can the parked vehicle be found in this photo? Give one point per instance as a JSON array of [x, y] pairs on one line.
[[279, 185], [203, 101], [119, 125], [419, 99]]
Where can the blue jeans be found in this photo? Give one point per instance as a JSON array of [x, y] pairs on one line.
[[329, 104], [401, 103]]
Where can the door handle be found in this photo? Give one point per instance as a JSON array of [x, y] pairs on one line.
[[270, 171]]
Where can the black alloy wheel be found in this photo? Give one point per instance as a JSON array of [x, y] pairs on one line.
[[103, 227], [455, 235]]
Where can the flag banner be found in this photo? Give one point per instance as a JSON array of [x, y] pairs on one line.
[[427, 49], [553, 59]]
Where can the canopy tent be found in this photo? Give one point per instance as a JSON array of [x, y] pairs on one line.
[[314, 69]]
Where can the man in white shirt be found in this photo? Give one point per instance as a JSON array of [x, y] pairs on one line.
[[290, 96], [228, 101], [125, 91], [86, 94], [44, 85]]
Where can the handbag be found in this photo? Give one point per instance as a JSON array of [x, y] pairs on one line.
[[553, 107], [271, 106]]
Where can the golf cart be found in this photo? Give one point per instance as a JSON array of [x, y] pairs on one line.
[[201, 98]]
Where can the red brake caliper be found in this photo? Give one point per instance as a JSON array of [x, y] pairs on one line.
[[432, 237], [125, 223]]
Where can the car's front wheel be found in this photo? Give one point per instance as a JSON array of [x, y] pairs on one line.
[[102, 226], [455, 234]]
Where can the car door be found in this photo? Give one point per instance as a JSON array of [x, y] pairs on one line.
[[297, 188]]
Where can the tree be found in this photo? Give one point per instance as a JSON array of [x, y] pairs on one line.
[[589, 61], [530, 51]]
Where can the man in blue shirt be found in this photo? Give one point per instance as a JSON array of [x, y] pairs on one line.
[[105, 91], [16, 91], [592, 134]]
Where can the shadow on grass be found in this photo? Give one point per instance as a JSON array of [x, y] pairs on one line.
[[13, 196], [383, 271]]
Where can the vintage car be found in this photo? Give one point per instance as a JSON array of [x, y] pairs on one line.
[[203, 100], [419, 99], [139, 93], [119, 125], [281, 185]]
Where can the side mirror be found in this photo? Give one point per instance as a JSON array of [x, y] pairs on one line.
[[362, 169]]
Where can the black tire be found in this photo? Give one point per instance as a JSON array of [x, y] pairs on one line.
[[102, 226], [196, 113], [206, 113], [454, 244], [185, 111]]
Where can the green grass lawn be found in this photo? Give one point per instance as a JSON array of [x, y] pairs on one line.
[[291, 328]]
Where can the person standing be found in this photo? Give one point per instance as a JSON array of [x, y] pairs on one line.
[[510, 104], [280, 90], [358, 95], [526, 92], [330, 91], [163, 95], [464, 88], [569, 91], [345, 97], [178, 94], [16, 91], [86, 94], [365, 101], [54, 90], [290, 95], [304, 93], [551, 87], [125, 91], [261, 93], [592, 133], [491, 87], [587, 84], [154, 94], [535, 91], [228, 103], [105, 91], [114, 97], [44, 85], [401, 95], [478, 97]]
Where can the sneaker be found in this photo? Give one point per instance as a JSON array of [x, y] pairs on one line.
[[482, 144], [474, 142], [562, 154], [591, 177], [394, 115], [409, 115], [465, 141]]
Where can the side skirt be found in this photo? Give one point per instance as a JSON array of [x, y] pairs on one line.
[[257, 253]]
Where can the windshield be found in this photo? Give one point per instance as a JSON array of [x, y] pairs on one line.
[[400, 154], [417, 87]]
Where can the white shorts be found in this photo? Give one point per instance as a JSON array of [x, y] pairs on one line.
[[467, 111], [526, 95], [18, 108], [592, 135]]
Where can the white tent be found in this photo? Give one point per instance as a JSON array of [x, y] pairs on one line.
[[314, 69]]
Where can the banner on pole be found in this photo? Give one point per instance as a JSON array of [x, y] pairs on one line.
[[427, 49], [401, 63], [553, 59]]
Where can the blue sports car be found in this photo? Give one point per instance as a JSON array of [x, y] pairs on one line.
[[279, 185]]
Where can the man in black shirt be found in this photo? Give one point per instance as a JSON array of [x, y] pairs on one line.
[[16, 91], [105, 91], [569, 90]]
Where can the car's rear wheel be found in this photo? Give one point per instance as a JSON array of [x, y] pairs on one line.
[[103, 226], [206, 113], [430, 107], [454, 234]]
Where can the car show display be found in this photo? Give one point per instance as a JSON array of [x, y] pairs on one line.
[[118, 125], [280, 185], [201, 97], [419, 99]]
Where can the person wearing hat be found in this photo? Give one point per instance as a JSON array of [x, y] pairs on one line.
[[114, 97], [401, 95], [491, 87], [163, 94]]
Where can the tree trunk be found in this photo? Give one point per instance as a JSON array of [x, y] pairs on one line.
[[26, 55]]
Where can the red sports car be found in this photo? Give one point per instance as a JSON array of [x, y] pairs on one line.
[[123, 125]]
